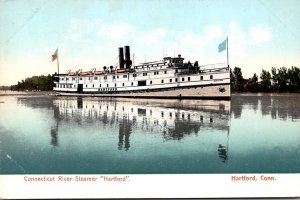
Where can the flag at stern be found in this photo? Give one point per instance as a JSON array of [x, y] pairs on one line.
[[222, 46], [55, 55]]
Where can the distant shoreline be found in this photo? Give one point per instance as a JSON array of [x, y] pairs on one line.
[[13, 93]]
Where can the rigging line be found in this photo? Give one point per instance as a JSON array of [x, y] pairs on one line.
[[112, 61], [135, 57], [26, 22]]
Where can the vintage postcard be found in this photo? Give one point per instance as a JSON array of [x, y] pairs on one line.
[[149, 99]]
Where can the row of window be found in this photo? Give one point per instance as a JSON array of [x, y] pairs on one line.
[[107, 89], [145, 74], [114, 77], [134, 75], [140, 83], [152, 65], [177, 60], [65, 86]]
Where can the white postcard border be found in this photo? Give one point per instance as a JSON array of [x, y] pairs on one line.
[[150, 186]]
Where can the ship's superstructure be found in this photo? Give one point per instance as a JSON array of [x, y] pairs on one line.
[[168, 78]]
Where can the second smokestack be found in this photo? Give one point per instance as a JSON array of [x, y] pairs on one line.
[[128, 62]]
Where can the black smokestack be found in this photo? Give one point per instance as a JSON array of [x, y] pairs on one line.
[[121, 58], [128, 62]]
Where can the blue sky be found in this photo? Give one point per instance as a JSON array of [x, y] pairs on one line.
[[262, 33]]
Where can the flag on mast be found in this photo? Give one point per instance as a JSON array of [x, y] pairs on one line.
[[222, 46], [55, 55]]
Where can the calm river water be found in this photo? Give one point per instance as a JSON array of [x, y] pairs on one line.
[[54, 135]]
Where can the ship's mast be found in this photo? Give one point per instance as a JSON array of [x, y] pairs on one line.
[[58, 65], [227, 53], [133, 61]]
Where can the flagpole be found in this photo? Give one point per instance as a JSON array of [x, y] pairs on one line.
[[227, 53], [57, 66]]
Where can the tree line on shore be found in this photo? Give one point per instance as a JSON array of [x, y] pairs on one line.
[[278, 80], [35, 83]]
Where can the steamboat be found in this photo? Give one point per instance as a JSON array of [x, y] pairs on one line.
[[170, 77]]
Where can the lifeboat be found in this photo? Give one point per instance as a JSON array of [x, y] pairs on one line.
[[84, 73], [99, 72], [121, 70], [72, 74]]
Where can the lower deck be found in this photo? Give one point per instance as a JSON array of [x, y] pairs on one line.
[[219, 91]]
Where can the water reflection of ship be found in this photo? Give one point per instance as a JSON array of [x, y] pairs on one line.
[[125, 129], [54, 139], [174, 119], [211, 114], [223, 152]]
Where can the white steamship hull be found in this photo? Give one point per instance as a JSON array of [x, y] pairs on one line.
[[205, 92], [167, 78]]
